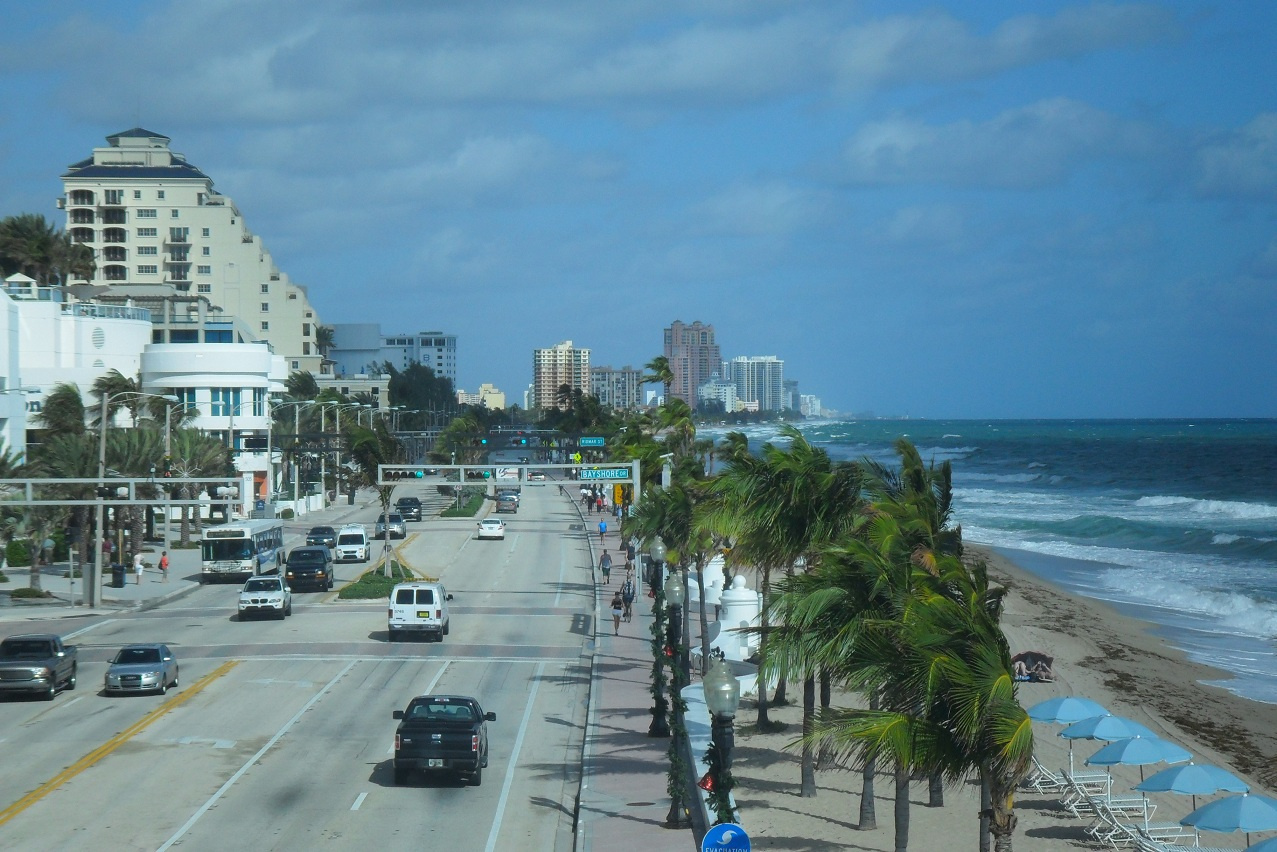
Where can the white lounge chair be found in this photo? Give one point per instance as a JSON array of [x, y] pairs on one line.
[[1145, 843], [1042, 779]]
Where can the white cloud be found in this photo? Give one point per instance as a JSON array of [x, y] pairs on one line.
[[1242, 162], [760, 208], [1037, 145]]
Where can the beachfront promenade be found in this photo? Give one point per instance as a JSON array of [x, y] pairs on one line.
[[623, 801]]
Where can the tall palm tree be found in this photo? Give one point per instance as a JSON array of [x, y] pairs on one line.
[[63, 412], [27, 245], [115, 384], [660, 374], [301, 384], [371, 448], [71, 455], [324, 339], [195, 455]]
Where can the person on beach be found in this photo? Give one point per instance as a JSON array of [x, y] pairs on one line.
[[617, 610], [138, 567], [164, 565], [605, 566]]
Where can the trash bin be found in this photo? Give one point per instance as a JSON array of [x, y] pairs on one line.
[[117, 575]]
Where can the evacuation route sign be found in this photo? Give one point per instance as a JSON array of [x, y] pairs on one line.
[[725, 837], [606, 473]]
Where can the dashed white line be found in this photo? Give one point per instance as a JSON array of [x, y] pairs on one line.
[[359, 801], [83, 630], [514, 760]]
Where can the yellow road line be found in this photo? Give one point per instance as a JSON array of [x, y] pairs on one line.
[[112, 744]]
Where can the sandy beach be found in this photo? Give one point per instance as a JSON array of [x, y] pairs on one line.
[[1099, 654]]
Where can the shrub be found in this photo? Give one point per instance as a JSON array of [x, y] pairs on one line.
[[374, 584], [28, 592], [286, 514], [17, 555], [470, 504], [4, 578]]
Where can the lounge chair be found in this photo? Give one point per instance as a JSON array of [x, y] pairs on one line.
[[1042, 779], [1115, 828], [1078, 788], [1145, 843]]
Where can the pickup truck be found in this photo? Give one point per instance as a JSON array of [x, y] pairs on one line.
[[409, 507], [442, 733], [36, 662]]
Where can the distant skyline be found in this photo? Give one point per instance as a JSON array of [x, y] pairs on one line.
[[940, 209]]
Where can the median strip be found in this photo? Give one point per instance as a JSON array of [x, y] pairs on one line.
[[112, 744]]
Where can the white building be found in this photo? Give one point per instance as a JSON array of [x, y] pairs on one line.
[[154, 219], [362, 348], [487, 396], [620, 389], [759, 379], [13, 399], [720, 391], [377, 387], [562, 364], [809, 405]]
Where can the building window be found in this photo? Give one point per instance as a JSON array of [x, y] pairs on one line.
[[292, 296], [172, 214], [148, 250], [147, 232], [223, 401], [147, 269], [183, 335], [305, 347], [265, 288], [204, 288], [159, 194], [114, 196], [296, 365], [204, 232], [265, 307], [137, 193], [204, 270], [206, 251], [265, 325], [305, 329], [146, 213]]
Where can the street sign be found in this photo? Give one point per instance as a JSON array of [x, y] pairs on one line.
[[592, 442], [606, 473], [726, 837]]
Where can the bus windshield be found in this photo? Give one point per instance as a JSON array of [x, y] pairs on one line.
[[226, 549]]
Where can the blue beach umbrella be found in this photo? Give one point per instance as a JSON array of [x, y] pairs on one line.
[[1139, 751], [1247, 812], [1065, 710], [1193, 779], [1269, 845], [1106, 726]]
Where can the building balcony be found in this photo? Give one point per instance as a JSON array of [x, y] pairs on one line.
[[82, 217], [99, 311]]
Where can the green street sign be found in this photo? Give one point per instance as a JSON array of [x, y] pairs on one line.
[[592, 441], [606, 473]]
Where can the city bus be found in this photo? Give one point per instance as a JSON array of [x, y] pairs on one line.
[[242, 549]]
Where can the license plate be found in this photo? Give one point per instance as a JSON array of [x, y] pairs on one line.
[[423, 613], [434, 764]]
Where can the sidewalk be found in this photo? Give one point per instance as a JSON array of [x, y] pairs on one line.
[[623, 802]]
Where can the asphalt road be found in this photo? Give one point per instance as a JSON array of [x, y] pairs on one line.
[[280, 735]]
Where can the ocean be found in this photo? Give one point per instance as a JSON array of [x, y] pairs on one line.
[[1172, 521]]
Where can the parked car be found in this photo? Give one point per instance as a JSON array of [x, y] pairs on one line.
[[265, 595], [37, 662], [141, 668], [311, 565], [491, 528], [394, 522], [326, 536], [409, 507], [419, 607], [442, 733]]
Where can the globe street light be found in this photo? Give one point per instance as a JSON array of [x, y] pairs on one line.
[[660, 726], [722, 698], [675, 593]]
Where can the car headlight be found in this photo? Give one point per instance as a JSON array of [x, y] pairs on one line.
[[44, 672]]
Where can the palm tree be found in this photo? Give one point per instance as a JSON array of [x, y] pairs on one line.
[[301, 384], [371, 448], [115, 384], [27, 245], [71, 455], [324, 339], [63, 412], [194, 455], [660, 374], [70, 261]]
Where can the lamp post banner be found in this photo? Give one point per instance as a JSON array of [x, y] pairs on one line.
[[725, 837]]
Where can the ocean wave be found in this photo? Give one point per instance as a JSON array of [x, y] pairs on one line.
[[1233, 611], [1001, 477], [1234, 509], [1225, 538]]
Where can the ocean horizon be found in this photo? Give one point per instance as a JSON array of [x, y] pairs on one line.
[[1172, 521]]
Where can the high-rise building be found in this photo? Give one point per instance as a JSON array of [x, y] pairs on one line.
[[790, 395], [362, 348], [562, 364], [759, 379], [621, 389], [157, 226], [693, 356]]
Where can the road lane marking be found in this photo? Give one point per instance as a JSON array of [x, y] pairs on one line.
[[514, 759], [112, 744], [82, 630], [359, 801], [252, 760]]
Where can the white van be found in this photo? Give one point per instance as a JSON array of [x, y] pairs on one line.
[[352, 544], [419, 607]]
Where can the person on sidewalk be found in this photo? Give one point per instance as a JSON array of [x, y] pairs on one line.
[[164, 565], [627, 594], [605, 566], [138, 566], [617, 610], [602, 530]]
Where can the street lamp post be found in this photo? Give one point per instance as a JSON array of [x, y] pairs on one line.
[[660, 724], [722, 697], [675, 593]]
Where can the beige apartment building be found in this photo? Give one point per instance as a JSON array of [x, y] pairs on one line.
[[157, 225], [563, 364]]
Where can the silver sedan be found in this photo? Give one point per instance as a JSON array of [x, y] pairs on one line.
[[142, 668]]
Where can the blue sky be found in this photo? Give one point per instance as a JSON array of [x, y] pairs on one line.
[[995, 209]]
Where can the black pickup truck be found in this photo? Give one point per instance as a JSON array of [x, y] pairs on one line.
[[442, 733], [36, 662]]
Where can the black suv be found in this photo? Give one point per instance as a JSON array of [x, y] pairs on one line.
[[310, 566], [326, 536], [409, 508]]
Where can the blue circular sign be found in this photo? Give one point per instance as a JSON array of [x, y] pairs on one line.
[[725, 837]]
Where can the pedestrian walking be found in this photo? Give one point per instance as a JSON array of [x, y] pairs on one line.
[[138, 566], [605, 566], [164, 565], [602, 530], [618, 609], [627, 595]]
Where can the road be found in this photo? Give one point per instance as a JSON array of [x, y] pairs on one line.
[[280, 733]]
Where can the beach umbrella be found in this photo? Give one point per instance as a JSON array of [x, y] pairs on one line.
[[1139, 751], [1247, 812], [1106, 727], [1065, 710], [1269, 845], [1193, 779]]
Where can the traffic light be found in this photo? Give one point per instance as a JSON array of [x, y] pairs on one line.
[[483, 442]]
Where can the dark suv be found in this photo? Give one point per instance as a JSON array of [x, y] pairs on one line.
[[311, 566], [409, 507], [326, 536]]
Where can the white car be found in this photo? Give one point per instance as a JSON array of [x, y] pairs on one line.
[[491, 528], [265, 595]]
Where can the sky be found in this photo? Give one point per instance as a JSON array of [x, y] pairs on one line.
[[944, 209]]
